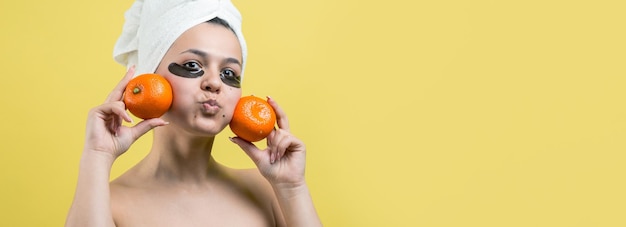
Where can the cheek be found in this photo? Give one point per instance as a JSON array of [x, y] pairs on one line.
[[231, 100], [181, 89], [228, 113]]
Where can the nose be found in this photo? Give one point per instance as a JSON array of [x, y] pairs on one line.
[[211, 82]]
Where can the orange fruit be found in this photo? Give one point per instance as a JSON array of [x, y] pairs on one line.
[[253, 119], [148, 96]]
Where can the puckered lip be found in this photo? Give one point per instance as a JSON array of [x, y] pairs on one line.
[[211, 102], [210, 106]]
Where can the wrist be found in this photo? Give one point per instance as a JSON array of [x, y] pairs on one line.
[[289, 190], [92, 157], [296, 204]]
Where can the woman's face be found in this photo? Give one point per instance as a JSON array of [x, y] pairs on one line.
[[203, 66]]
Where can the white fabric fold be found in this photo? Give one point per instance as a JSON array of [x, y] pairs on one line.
[[152, 26]]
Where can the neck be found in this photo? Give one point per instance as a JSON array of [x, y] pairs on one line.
[[180, 159]]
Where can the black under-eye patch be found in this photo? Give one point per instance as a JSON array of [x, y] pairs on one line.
[[233, 81], [183, 71]]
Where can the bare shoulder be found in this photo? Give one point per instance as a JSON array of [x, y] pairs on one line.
[[229, 197], [261, 190], [251, 176], [254, 182], [125, 195]]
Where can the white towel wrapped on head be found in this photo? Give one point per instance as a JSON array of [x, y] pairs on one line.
[[152, 26]]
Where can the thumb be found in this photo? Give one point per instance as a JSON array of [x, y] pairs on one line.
[[146, 125], [251, 150]]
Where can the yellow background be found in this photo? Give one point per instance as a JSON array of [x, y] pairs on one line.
[[415, 113]]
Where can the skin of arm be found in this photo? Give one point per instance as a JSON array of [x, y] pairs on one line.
[[297, 205], [282, 163], [105, 140], [91, 206]]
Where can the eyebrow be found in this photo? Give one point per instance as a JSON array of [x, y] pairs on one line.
[[196, 52], [205, 55]]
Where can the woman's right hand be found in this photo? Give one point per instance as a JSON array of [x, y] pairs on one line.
[[105, 132]]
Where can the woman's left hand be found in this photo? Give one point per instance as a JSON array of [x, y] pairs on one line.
[[282, 162]]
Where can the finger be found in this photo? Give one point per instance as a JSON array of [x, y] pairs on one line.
[[281, 147], [113, 114], [271, 144], [145, 126], [118, 91], [280, 141], [112, 109], [281, 117], [249, 148], [269, 136], [118, 108], [113, 124]]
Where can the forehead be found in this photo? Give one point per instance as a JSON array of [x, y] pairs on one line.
[[211, 38]]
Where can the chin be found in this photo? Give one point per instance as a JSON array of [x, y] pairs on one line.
[[211, 129]]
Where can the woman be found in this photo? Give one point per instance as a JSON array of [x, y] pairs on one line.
[[179, 183]]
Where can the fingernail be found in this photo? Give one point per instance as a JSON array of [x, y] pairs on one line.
[[272, 158], [231, 139], [268, 97]]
